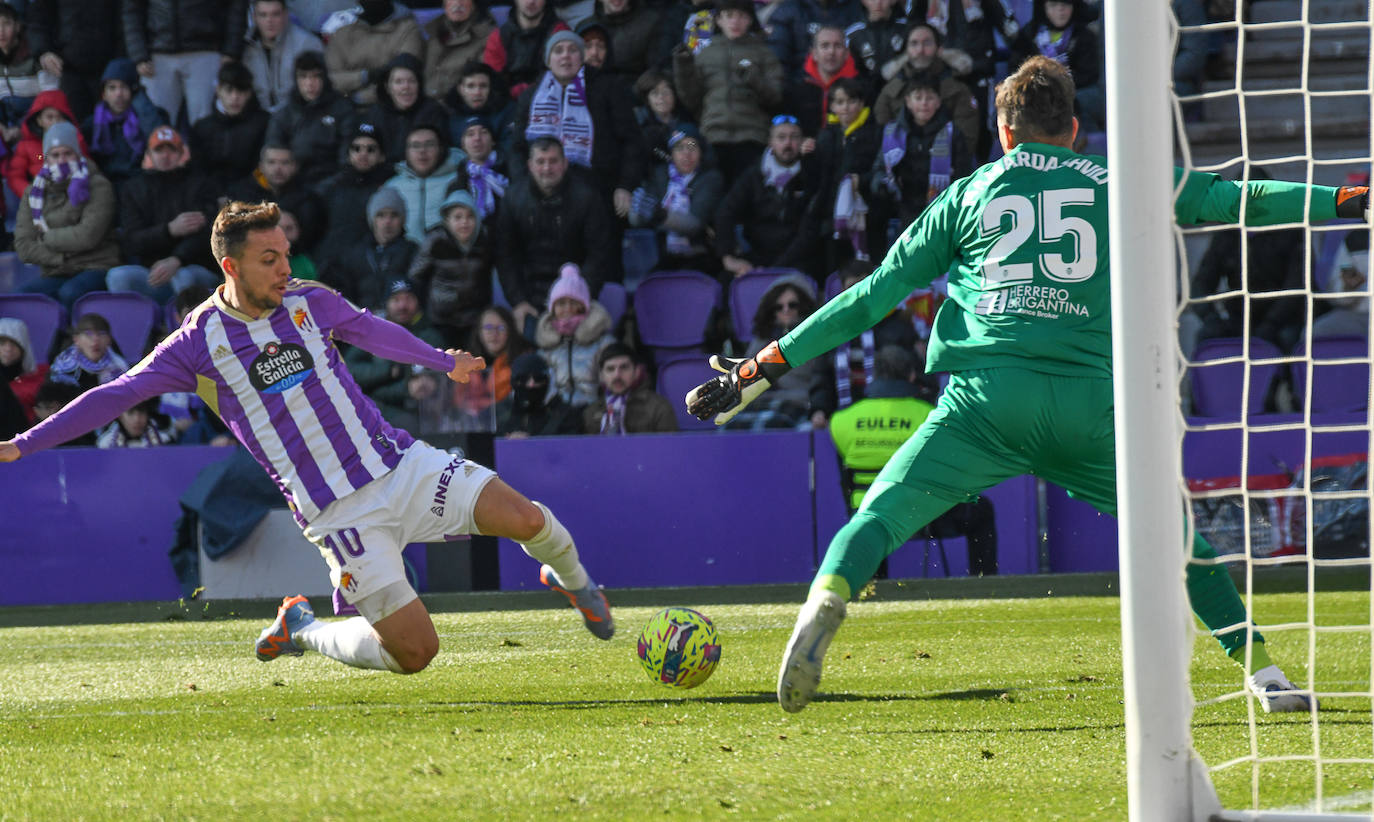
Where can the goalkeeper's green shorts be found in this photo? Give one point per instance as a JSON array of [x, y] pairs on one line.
[[995, 424]]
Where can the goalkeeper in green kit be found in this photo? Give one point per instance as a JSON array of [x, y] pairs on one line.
[[1026, 338]]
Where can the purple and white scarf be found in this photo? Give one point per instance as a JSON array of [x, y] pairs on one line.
[[678, 199], [561, 112], [776, 174], [851, 217], [1057, 50], [78, 190], [941, 162], [486, 184], [102, 138], [843, 379], [71, 364], [613, 421]]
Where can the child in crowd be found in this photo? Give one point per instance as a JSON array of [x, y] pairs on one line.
[[26, 160], [118, 131], [570, 335], [91, 359], [140, 426], [453, 269], [922, 153], [844, 154]]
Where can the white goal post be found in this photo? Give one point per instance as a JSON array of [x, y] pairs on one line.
[[1167, 778]]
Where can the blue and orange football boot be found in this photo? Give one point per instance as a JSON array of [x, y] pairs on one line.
[[596, 611], [276, 639]]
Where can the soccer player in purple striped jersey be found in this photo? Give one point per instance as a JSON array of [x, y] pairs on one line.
[[260, 352]]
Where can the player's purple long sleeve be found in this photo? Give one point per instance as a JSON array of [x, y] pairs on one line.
[[97, 407], [388, 340]]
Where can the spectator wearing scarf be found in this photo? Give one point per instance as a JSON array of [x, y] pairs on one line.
[[65, 223], [590, 114], [484, 171], [922, 152], [118, 130], [844, 152], [90, 360], [679, 201], [1058, 29], [629, 405], [571, 334]]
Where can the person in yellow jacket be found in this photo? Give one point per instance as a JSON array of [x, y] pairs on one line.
[[869, 432]]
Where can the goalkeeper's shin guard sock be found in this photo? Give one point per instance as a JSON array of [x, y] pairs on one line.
[[854, 554], [352, 642], [553, 546], [1215, 599]]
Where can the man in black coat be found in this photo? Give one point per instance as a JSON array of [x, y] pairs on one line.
[[769, 206], [179, 46], [346, 192], [276, 179], [551, 218], [167, 212]]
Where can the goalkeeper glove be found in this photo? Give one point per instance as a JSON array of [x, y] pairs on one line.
[[1353, 202], [741, 381]]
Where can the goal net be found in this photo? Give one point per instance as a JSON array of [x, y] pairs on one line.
[[1258, 375]]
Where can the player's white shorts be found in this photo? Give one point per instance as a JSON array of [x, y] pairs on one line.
[[428, 497]]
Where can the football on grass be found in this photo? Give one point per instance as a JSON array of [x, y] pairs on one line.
[[679, 647]]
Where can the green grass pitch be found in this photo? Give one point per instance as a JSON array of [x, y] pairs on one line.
[[950, 700]]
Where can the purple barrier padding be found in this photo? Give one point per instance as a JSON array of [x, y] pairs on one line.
[[663, 510], [1212, 454], [1080, 538], [91, 525], [1013, 501]]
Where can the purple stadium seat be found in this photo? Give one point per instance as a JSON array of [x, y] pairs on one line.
[[132, 318], [745, 293], [672, 309], [1335, 387], [675, 379], [43, 315], [613, 299], [1217, 388], [832, 286], [14, 273], [500, 13]]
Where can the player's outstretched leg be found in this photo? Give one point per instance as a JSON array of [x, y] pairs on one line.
[[800, 674], [504, 512], [276, 639]]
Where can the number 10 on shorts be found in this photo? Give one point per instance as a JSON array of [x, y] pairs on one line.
[[348, 542]]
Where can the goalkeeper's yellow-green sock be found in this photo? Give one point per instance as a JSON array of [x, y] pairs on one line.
[[1259, 657], [1215, 600], [854, 554]]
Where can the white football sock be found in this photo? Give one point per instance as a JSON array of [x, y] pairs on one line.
[[553, 546], [352, 642]]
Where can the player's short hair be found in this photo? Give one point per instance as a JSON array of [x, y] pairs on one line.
[[1036, 101], [233, 223]]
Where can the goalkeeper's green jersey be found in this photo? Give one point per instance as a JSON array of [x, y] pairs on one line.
[[1024, 240]]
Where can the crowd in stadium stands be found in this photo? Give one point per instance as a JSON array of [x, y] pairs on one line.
[[502, 179]]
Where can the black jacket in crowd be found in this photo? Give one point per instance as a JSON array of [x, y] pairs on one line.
[[912, 173], [177, 26], [346, 193], [314, 131], [772, 220], [523, 50], [394, 124], [153, 199], [363, 271], [84, 33], [226, 148], [296, 197], [454, 283], [536, 234]]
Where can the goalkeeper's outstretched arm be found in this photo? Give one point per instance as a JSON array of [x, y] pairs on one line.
[[740, 382], [1206, 198]]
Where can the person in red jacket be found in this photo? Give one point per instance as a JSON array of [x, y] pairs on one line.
[[26, 160]]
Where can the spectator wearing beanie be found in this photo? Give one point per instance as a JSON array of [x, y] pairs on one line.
[[118, 131], [26, 157], [590, 114], [65, 224], [347, 190], [452, 272], [314, 121], [20, 376], [364, 270], [484, 171], [571, 334]]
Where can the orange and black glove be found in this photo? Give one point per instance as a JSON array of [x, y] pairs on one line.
[[1353, 202], [740, 382]]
